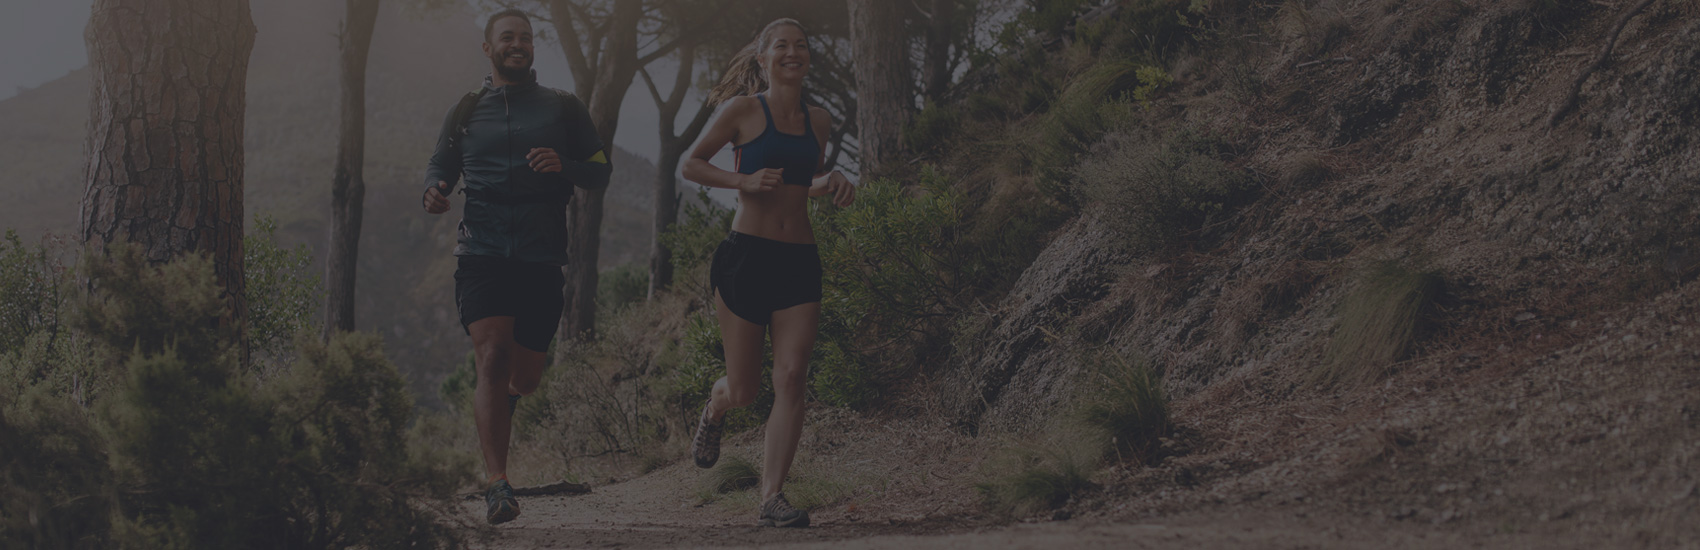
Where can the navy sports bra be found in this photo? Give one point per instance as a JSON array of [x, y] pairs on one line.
[[797, 155]]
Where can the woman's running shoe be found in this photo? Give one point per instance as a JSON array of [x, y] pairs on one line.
[[705, 447], [778, 512], [500, 501]]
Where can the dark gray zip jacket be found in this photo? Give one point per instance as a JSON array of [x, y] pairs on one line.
[[513, 211]]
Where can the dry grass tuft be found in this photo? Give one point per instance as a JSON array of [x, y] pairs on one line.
[[733, 473], [1032, 477], [1130, 406], [1379, 323]]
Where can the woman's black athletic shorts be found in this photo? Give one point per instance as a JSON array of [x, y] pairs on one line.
[[529, 292], [757, 276]]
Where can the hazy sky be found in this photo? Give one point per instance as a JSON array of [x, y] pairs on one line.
[[40, 40]]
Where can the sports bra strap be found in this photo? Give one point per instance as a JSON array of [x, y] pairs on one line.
[[767, 112], [808, 128]]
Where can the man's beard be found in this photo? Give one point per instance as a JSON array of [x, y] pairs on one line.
[[512, 74]]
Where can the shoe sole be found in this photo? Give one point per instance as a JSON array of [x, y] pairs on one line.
[[799, 521], [503, 516], [708, 464]]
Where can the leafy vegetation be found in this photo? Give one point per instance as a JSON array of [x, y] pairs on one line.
[[1164, 190], [179, 446], [284, 293]]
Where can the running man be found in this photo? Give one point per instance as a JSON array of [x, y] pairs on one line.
[[522, 148], [767, 273]]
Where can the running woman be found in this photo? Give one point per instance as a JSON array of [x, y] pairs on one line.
[[766, 274]]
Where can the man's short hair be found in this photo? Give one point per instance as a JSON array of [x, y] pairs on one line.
[[490, 24]]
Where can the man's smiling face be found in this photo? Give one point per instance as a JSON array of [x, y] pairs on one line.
[[510, 49]]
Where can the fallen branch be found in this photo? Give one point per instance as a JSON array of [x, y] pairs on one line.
[[1323, 61], [1564, 107], [562, 488]]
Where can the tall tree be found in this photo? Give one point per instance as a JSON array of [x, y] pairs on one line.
[[348, 188], [673, 146], [884, 89], [165, 130], [936, 64]]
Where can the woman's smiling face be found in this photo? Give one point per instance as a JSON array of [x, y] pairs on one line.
[[785, 58]]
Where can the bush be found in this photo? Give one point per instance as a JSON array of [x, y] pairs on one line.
[[56, 490], [33, 291], [282, 290], [1094, 102], [692, 242], [621, 286], [1379, 323], [1163, 191], [184, 448]]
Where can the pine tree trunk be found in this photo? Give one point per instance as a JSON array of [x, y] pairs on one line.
[[883, 98], [618, 69], [941, 32], [666, 214], [165, 130], [348, 189]]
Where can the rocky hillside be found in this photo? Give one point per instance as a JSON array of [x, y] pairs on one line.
[[1548, 378], [416, 72]]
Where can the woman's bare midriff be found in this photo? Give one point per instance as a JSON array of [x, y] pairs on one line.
[[781, 214]]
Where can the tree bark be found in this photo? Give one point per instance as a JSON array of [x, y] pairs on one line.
[[164, 167], [673, 146], [348, 188], [617, 67], [883, 97], [941, 34]]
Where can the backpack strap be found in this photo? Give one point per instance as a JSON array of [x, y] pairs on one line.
[[463, 115]]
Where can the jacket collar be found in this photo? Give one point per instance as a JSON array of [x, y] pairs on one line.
[[490, 83]]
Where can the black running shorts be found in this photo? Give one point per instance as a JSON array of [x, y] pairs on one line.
[[529, 292], [757, 276]]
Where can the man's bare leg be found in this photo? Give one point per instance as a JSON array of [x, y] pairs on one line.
[[503, 366]]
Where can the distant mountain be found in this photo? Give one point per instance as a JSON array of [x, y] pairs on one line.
[[419, 66]]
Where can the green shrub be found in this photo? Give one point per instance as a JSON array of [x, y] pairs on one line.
[[33, 291], [932, 127], [184, 448], [1094, 102], [1128, 403], [1159, 192], [282, 290], [692, 242], [56, 489], [621, 286], [1379, 323]]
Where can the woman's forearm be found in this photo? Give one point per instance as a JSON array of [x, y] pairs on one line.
[[817, 186], [701, 172]]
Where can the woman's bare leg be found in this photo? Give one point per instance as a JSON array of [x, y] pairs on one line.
[[742, 341], [794, 331]]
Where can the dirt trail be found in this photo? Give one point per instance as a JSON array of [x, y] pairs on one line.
[[657, 512], [661, 510]]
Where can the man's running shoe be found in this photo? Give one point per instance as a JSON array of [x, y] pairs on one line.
[[778, 512], [705, 447], [500, 500]]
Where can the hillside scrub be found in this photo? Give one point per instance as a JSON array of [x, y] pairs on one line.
[[176, 444]]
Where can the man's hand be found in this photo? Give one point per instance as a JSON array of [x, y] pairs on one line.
[[435, 200], [843, 192], [544, 160], [763, 180]]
